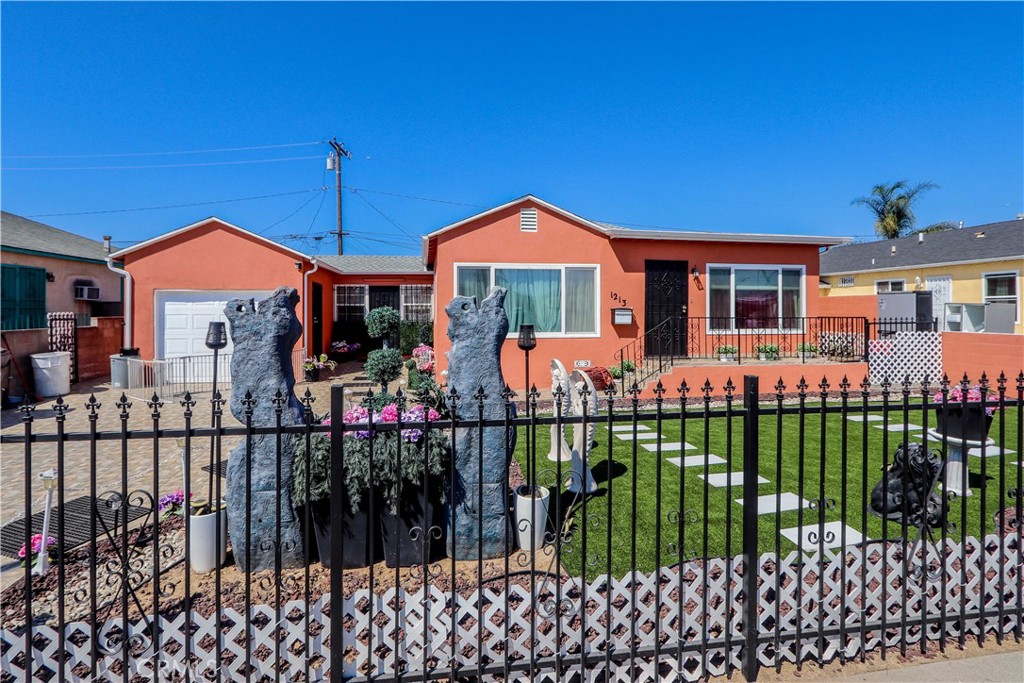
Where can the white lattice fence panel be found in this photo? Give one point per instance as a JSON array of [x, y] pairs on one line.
[[796, 601], [906, 353]]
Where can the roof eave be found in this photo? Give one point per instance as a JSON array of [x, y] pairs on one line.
[[815, 240], [167, 235], [938, 264]]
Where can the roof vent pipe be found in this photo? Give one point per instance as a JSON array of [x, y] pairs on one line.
[[920, 238], [961, 225], [106, 243]]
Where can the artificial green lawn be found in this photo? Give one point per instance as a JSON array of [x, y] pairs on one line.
[[714, 527]]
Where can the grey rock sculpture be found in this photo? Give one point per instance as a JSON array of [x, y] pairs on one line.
[[477, 335], [261, 364]]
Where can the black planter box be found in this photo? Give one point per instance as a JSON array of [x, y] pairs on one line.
[[967, 425], [358, 550], [311, 375], [417, 513]]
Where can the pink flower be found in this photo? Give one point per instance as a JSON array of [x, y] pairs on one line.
[[389, 413], [433, 415]]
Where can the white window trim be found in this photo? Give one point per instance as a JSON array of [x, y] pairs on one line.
[[901, 280], [732, 292], [366, 299], [996, 273], [544, 266], [401, 299]]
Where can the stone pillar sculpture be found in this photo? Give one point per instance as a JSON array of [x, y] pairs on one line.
[[261, 363], [581, 480], [560, 380], [481, 467]]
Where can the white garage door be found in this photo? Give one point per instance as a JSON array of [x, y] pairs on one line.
[[182, 319]]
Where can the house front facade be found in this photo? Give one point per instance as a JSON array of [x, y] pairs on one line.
[[592, 290]]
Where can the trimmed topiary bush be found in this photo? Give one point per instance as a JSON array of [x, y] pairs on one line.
[[382, 323], [384, 366]]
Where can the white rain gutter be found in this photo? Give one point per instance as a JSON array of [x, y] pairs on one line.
[[305, 296], [127, 301]]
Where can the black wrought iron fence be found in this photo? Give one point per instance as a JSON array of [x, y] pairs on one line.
[[678, 539]]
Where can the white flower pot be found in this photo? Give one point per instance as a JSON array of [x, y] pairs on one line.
[[531, 504], [202, 542], [726, 357]]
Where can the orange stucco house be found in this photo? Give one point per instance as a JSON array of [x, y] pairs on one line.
[[589, 288]]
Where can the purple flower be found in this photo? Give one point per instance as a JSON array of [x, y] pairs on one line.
[[172, 500]]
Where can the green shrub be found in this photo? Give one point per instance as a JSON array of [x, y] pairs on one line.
[[806, 347], [383, 366], [415, 376], [615, 371], [726, 349], [356, 474], [410, 335], [431, 395], [382, 322], [769, 350], [376, 402]]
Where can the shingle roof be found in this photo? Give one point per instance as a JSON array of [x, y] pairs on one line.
[[375, 264], [1000, 241], [21, 233]]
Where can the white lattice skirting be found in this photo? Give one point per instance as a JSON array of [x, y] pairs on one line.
[[914, 354], [830, 600]]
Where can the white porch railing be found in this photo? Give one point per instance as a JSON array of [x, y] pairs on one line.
[[175, 376]]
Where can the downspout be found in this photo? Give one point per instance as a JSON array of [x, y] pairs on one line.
[[305, 294], [127, 301]]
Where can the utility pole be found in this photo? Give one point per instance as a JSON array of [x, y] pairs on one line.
[[335, 160]]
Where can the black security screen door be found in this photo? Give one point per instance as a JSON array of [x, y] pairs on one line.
[[386, 296], [665, 298], [317, 304]]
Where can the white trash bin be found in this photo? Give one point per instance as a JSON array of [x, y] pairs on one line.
[[52, 372]]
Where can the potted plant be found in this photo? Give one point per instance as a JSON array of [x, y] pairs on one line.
[[30, 556], [767, 351], [382, 323], [204, 553], [172, 504], [312, 366], [963, 417], [383, 366], [807, 350], [343, 349], [726, 352], [531, 516], [361, 543], [408, 468]]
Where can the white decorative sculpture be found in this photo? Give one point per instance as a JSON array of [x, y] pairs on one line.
[[560, 381], [581, 480]]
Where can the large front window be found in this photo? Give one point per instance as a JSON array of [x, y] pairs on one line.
[[557, 300], [761, 297]]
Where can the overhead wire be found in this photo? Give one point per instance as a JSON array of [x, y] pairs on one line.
[[145, 166], [409, 196], [157, 154], [301, 207], [172, 206], [386, 217]]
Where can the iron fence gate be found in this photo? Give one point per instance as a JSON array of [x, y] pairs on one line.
[[793, 526]]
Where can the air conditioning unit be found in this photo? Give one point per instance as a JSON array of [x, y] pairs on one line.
[[87, 293]]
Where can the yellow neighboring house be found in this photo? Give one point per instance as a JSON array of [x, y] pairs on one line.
[[972, 265]]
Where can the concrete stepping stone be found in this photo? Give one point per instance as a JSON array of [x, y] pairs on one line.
[[670, 446], [899, 427], [629, 428], [771, 504], [639, 436], [697, 460], [864, 418], [990, 451], [833, 535], [723, 479]]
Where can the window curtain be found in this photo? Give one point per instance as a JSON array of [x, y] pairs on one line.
[[790, 299], [534, 297], [757, 298], [579, 301], [475, 282], [721, 299]]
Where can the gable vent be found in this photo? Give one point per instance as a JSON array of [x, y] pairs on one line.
[[528, 220]]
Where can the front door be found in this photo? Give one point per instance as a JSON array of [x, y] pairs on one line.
[[941, 287], [316, 317], [665, 298]]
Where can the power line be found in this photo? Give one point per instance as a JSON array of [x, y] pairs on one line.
[[301, 207], [144, 166], [172, 206], [409, 196], [386, 217], [157, 154]]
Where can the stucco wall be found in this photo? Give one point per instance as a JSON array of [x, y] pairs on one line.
[[974, 353], [967, 283], [497, 239], [96, 344], [209, 257], [60, 294]]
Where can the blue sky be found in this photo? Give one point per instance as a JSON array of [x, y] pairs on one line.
[[732, 117]]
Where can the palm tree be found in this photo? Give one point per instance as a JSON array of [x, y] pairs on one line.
[[892, 206]]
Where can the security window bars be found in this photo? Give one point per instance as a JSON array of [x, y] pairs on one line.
[[755, 298], [557, 300], [417, 303], [350, 302]]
